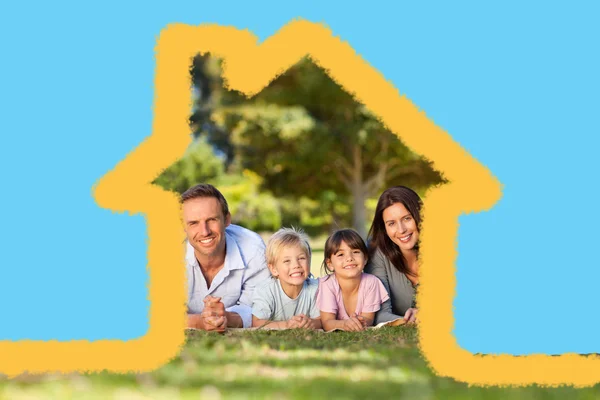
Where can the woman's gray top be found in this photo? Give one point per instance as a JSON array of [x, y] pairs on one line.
[[401, 290]]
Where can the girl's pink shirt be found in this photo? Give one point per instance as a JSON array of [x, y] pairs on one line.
[[371, 293]]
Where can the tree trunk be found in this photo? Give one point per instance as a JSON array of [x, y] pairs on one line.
[[352, 175], [359, 218], [359, 193]]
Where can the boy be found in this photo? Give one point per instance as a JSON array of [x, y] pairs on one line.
[[288, 300]]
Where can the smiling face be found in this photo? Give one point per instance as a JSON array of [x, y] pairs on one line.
[[346, 262], [401, 227], [291, 266], [205, 226]]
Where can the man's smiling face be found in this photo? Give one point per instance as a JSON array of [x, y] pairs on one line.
[[205, 226]]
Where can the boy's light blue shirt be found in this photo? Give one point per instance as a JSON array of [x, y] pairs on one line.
[[271, 303], [245, 267]]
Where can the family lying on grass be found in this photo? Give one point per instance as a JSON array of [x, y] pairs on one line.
[[234, 282]]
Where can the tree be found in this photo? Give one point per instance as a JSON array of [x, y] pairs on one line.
[[304, 135], [199, 164], [257, 210]]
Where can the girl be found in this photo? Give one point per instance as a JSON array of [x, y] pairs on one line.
[[394, 246], [348, 298]]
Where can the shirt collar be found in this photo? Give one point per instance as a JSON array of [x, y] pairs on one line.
[[233, 256]]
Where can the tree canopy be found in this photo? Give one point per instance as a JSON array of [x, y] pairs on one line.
[[305, 137]]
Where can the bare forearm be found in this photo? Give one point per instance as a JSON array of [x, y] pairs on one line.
[[369, 318], [195, 321], [331, 324], [265, 323], [316, 323], [234, 320]]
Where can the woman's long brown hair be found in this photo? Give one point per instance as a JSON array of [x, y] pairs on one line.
[[378, 238]]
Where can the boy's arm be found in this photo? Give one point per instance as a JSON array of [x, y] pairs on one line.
[[315, 323], [294, 322], [257, 274], [314, 315], [263, 309], [306, 322], [265, 323]]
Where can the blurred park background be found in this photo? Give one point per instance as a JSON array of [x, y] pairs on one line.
[[301, 152]]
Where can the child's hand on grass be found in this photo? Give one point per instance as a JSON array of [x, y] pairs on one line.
[[307, 322], [294, 322], [353, 324], [365, 322], [300, 321], [313, 324]]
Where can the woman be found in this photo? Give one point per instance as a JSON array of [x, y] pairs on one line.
[[394, 251]]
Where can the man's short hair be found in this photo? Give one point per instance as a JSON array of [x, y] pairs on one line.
[[286, 237], [206, 190]]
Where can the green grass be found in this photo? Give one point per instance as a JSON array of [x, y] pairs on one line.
[[383, 363]]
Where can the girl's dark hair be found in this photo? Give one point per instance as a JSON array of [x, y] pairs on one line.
[[333, 243], [378, 238]]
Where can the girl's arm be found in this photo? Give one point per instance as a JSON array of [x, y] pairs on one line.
[[315, 323], [330, 323], [368, 318]]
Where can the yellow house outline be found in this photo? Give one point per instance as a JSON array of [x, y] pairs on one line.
[[249, 67]]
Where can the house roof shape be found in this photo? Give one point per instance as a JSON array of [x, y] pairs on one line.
[[249, 67]]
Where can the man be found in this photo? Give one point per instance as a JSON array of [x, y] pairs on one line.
[[225, 262]]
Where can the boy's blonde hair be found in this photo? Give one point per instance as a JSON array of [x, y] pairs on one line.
[[286, 237]]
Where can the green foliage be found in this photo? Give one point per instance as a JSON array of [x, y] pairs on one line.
[[258, 211], [307, 138], [198, 164], [254, 209], [301, 152], [327, 125], [250, 206]]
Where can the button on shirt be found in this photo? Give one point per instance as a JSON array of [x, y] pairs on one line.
[[245, 267]]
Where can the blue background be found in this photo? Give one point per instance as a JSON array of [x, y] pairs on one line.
[[516, 85]]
